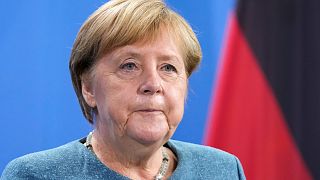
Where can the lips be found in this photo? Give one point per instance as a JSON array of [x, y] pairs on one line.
[[148, 110], [148, 107]]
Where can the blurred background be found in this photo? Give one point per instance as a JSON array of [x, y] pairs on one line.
[[256, 93], [39, 107]]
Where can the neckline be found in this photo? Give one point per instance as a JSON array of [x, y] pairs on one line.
[[170, 144], [90, 151]]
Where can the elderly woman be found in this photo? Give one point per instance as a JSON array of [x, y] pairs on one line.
[[130, 66]]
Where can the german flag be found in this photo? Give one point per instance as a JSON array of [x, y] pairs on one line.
[[266, 107]]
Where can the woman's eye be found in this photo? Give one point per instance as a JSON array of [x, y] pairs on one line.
[[169, 68], [130, 66]]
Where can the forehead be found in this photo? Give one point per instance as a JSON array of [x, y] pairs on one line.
[[163, 45], [163, 38], [129, 38]]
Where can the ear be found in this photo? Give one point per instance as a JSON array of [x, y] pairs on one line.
[[87, 93]]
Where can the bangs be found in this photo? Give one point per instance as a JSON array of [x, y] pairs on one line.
[[133, 22], [123, 22]]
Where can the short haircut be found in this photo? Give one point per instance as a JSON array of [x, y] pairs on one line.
[[123, 22]]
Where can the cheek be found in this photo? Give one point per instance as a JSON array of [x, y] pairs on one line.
[[110, 102], [176, 98]]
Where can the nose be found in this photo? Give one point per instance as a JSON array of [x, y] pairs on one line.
[[150, 83]]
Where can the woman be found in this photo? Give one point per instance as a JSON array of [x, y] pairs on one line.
[[130, 66]]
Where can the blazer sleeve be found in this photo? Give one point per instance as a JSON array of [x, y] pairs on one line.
[[17, 169], [240, 170]]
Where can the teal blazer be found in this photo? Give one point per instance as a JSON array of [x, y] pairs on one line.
[[75, 161]]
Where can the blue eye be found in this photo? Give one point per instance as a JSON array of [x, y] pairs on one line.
[[169, 68], [130, 66]]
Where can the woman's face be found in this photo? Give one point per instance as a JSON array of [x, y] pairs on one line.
[[139, 91]]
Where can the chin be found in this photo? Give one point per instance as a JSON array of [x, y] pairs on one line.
[[149, 138]]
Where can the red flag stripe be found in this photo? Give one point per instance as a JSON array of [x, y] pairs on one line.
[[246, 119]]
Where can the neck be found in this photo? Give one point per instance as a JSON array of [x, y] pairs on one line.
[[131, 160]]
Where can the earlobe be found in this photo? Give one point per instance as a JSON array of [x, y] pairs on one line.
[[88, 95]]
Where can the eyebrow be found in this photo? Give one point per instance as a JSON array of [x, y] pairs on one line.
[[135, 53], [168, 57], [128, 52], [161, 57]]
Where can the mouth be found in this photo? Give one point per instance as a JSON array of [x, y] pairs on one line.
[[149, 111]]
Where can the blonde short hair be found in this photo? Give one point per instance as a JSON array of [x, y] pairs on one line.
[[122, 22]]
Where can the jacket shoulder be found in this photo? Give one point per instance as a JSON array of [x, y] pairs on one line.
[[42, 164], [204, 162], [197, 150]]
